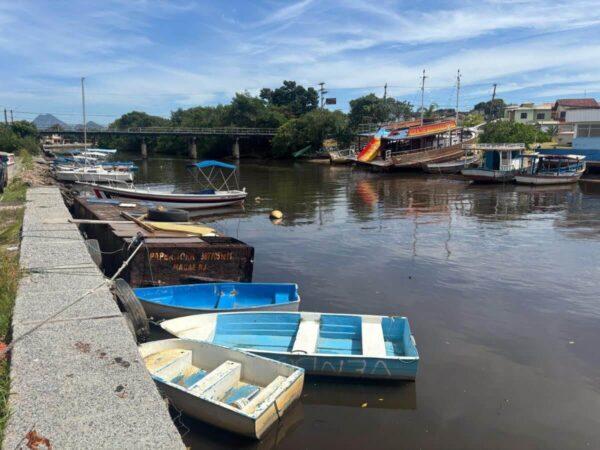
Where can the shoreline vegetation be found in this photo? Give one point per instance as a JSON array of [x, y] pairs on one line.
[[301, 122], [12, 203]]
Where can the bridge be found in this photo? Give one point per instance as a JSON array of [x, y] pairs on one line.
[[191, 133]]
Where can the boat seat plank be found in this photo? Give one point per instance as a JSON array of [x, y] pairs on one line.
[[217, 382], [240, 395], [281, 297], [169, 364], [307, 335], [264, 394], [373, 343]]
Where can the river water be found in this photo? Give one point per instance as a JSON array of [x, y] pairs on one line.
[[500, 284]]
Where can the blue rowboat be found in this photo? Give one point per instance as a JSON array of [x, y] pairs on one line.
[[345, 345], [168, 302]]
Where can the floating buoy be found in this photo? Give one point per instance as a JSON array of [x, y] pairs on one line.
[[257, 199], [276, 214]]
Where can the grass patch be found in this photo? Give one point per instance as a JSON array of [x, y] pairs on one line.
[[11, 220], [26, 159], [14, 192]]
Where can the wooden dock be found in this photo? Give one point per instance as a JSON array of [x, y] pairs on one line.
[[168, 257]]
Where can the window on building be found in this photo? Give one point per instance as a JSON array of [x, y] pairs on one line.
[[540, 116], [523, 115], [563, 114], [594, 130]]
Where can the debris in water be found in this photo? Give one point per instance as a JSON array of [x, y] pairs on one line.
[[571, 342], [276, 214], [364, 405]]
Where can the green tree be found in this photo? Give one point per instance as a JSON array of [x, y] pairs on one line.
[[491, 110], [247, 111], [23, 128], [139, 119], [310, 130], [292, 98], [372, 109], [504, 131], [473, 119]]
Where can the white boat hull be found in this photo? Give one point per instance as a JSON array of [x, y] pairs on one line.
[[171, 200], [544, 180], [207, 404], [488, 176], [93, 177]]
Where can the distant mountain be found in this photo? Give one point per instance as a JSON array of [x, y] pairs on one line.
[[91, 126], [48, 120]]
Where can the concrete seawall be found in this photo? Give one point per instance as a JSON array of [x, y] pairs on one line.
[[78, 381]]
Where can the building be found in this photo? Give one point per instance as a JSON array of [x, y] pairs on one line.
[[561, 106], [585, 132], [531, 114]]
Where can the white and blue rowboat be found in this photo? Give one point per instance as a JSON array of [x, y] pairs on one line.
[[322, 344], [168, 302], [228, 388]]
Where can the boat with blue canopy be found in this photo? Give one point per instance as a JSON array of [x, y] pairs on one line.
[[217, 185], [499, 164], [346, 345], [167, 302], [552, 169]]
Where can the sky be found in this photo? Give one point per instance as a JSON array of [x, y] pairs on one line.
[[158, 56]]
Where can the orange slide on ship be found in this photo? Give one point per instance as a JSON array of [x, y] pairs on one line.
[[369, 151]]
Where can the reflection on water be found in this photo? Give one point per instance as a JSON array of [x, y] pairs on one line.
[[500, 284]]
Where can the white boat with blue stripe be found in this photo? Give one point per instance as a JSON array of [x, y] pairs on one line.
[[346, 345], [228, 388]]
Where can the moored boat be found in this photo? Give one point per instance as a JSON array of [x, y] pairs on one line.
[[93, 174], [167, 302], [343, 345], [214, 190], [499, 164], [552, 169], [227, 388], [454, 166]]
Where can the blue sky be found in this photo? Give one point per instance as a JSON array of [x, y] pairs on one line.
[[158, 56]]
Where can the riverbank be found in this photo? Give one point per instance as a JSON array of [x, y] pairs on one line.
[[77, 381]]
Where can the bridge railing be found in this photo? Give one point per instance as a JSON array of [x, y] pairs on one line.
[[231, 131]]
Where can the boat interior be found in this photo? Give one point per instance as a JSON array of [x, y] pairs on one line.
[[221, 295], [240, 386], [310, 333]]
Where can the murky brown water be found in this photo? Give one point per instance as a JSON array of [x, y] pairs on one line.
[[500, 284]]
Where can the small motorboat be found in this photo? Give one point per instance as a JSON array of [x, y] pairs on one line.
[[214, 189], [93, 174], [227, 388], [552, 169], [168, 302], [454, 166], [500, 163], [343, 345]]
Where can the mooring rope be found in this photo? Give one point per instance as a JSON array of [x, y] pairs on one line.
[[73, 303]]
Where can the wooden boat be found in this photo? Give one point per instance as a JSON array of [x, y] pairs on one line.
[[324, 344], [499, 164], [214, 191], [183, 300], [454, 166], [552, 169], [93, 174], [230, 389]]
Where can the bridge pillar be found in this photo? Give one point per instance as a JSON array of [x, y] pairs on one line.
[[144, 149], [236, 149], [193, 149]]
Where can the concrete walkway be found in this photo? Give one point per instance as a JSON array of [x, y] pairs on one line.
[[78, 381]]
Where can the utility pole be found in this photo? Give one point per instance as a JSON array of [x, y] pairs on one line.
[[423, 97], [457, 93], [385, 91], [322, 91], [492, 106], [12, 121], [84, 118], [5, 117]]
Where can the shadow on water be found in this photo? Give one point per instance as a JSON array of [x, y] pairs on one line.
[[499, 282]]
